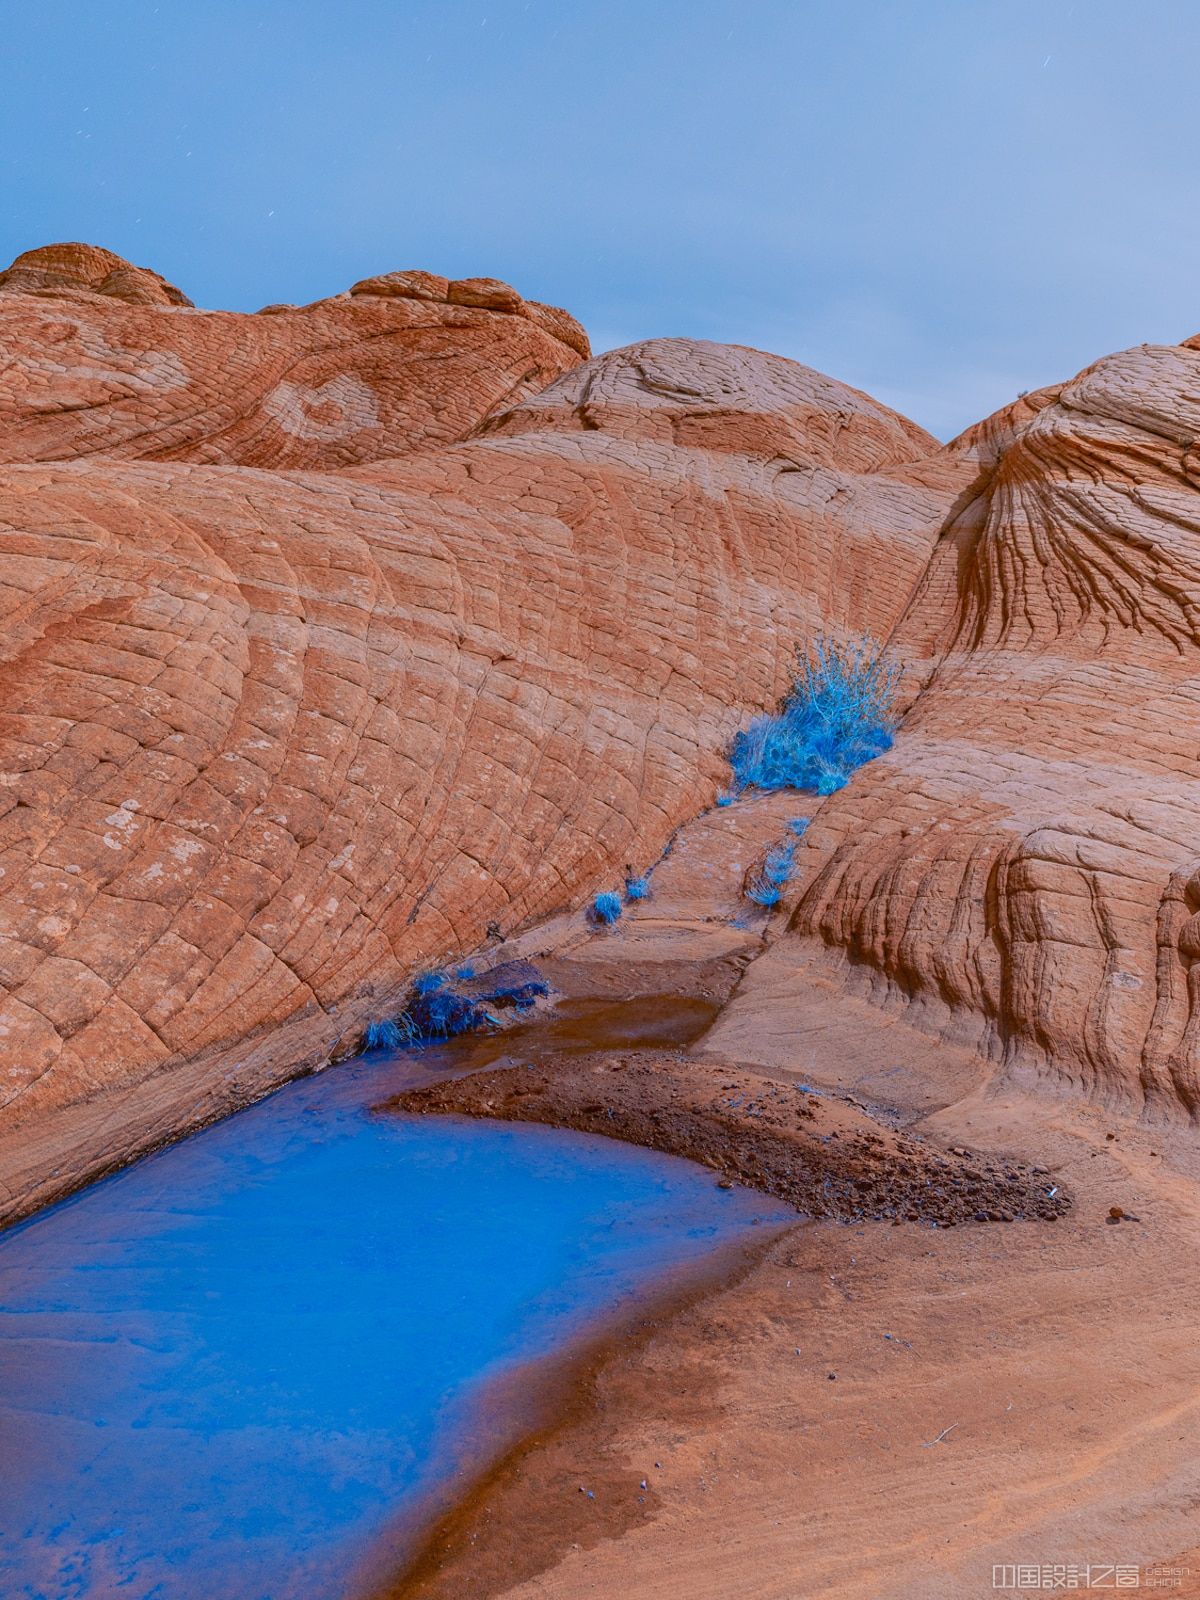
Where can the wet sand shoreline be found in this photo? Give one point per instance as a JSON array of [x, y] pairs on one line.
[[873, 1411], [817, 1152], [420, 1558]]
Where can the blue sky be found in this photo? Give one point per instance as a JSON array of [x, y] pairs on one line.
[[942, 201]]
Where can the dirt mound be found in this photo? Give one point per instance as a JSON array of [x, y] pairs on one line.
[[822, 1156]]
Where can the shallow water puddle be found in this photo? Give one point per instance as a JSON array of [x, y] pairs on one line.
[[646, 1022], [582, 1023], [233, 1368]]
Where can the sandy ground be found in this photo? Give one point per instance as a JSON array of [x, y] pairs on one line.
[[871, 1410]]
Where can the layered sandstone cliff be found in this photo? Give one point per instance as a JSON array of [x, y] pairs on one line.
[[271, 739], [1024, 865]]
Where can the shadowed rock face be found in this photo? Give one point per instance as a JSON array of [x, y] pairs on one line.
[[270, 740], [1026, 858], [105, 358]]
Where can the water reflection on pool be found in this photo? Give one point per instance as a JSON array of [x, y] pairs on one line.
[[229, 1369]]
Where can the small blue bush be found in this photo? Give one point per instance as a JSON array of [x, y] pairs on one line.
[[838, 714], [799, 826], [726, 797], [606, 908], [440, 1014], [391, 1033], [777, 868], [383, 1034], [439, 1008], [637, 888], [778, 865]]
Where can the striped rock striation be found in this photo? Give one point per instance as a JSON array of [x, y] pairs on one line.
[[1024, 866]]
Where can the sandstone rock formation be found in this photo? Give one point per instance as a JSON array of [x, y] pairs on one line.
[[105, 358], [301, 691], [1023, 866], [66, 269], [271, 740]]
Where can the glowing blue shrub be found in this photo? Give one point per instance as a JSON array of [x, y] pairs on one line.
[[519, 995], [777, 868], [637, 888], [391, 1033], [606, 908], [383, 1034], [838, 714], [765, 887], [442, 1007], [441, 1013], [799, 826]]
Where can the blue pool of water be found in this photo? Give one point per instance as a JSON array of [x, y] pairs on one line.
[[231, 1370]]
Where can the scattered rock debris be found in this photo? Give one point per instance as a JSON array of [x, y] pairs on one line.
[[824, 1157]]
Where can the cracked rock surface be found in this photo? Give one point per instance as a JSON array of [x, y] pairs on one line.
[[272, 738], [1023, 867]]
